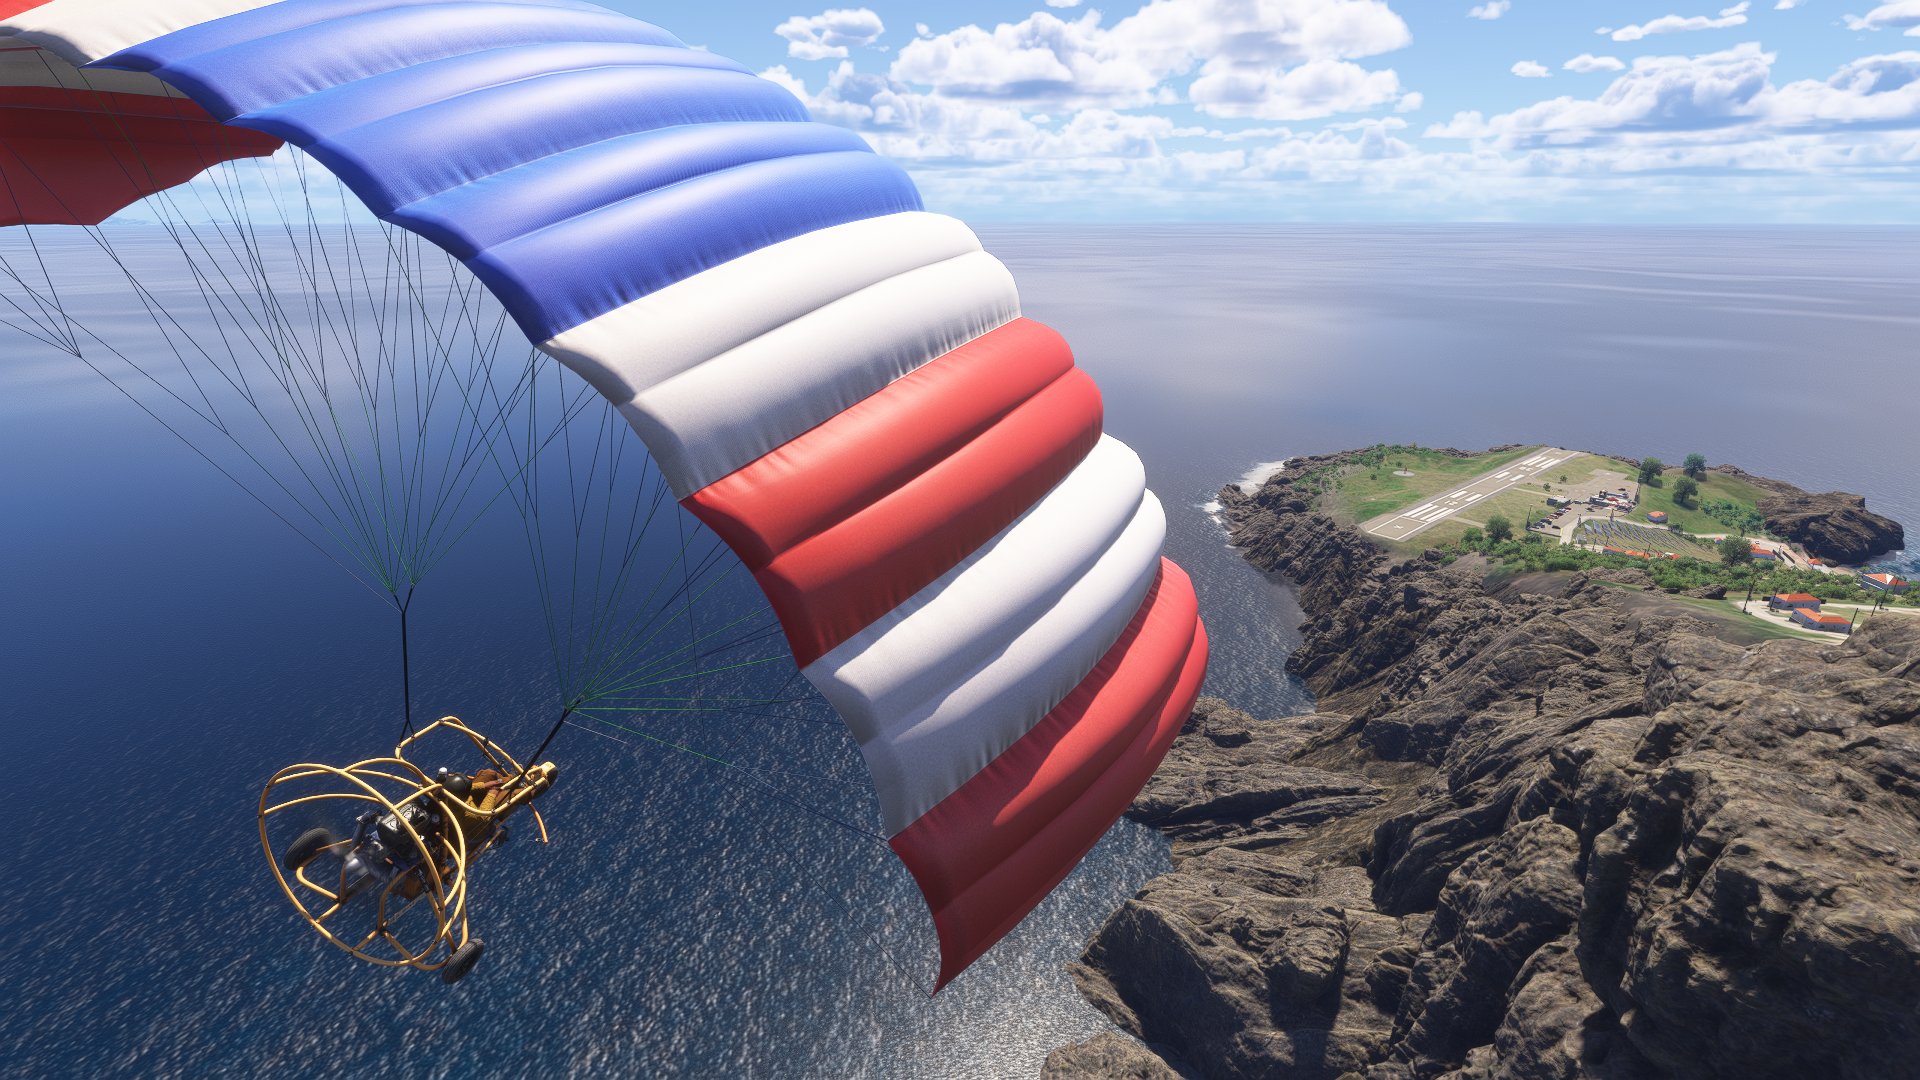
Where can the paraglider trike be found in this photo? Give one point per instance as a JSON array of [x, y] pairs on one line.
[[394, 892]]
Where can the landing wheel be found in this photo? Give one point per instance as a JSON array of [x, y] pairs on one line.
[[462, 961], [305, 847]]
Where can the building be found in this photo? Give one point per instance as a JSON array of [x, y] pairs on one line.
[[1658, 517], [1813, 620], [1885, 583], [1794, 601], [1765, 553]]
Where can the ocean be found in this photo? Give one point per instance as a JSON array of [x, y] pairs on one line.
[[165, 645]]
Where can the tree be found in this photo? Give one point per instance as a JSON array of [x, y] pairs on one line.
[[1696, 466], [1735, 552], [1499, 529], [1473, 539], [1685, 490], [1650, 470]]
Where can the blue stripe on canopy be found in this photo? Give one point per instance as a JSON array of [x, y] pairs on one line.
[[575, 159], [420, 152], [475, 216], [251, 26], [231, 81], [644, 244], [348, 105]]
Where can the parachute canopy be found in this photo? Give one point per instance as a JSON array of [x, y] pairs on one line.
[[836, 381], [77, 147]]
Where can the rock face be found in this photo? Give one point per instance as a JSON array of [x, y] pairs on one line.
[[1107, 1055], [1533, 835], [1834, 526]]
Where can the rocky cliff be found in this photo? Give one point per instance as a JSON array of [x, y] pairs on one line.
[[1533, 833], [1834, 526]]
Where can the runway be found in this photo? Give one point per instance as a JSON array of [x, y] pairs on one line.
[[1406, 524]]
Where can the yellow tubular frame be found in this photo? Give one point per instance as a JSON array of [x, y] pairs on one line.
[[443, 884]]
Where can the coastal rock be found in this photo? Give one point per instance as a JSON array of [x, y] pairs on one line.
[[1229, 774], [1554, 833], [1834, 526], [1630, 576], [1248, 964], [1115, 1057], [1496, 910]]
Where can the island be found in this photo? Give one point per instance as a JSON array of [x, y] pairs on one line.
[[1572, 806]]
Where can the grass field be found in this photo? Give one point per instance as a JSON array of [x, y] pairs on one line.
[[1361, 493], [1514, 504], [1581, 468], [1714, 487], [1642, 538]]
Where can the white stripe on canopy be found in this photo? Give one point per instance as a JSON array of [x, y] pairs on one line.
[[941, 685], [709, 421], [83, 31], [693, 320]]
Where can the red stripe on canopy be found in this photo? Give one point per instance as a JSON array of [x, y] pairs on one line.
[[989, 853], [10, 8], [853, 460], [832, 585], [77, 157]]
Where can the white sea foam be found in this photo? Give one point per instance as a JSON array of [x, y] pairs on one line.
[[1251, 480]]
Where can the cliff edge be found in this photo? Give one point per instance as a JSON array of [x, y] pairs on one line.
[[1535, 832]]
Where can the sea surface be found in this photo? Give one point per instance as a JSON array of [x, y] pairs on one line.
[[165, 645]]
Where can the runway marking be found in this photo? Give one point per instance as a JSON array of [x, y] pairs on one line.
[[1408, 523]]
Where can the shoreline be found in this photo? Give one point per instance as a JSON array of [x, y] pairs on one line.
[[1450, 868]]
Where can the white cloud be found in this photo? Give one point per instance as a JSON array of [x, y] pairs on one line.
[[779, 74], [1788, 5], [1063, 3], [1058, 113], [1657, 93], [1307, 91], [829, 34], [1587, 63], [1490, 10], [1897, 15], [1873, 90], [1675, 24], [1723, 97], [1044, 58], [1531, 69]]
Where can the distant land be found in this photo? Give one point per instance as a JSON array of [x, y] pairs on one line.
[[1570, 809]]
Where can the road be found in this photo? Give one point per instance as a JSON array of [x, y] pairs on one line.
[[1407, 524]]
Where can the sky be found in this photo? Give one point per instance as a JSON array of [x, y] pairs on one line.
[[1767, 111]]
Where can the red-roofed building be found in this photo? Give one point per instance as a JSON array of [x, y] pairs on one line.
[[1794, 601], [1658, 517], [1764, 553], [1813, 620], [1885, 583]]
